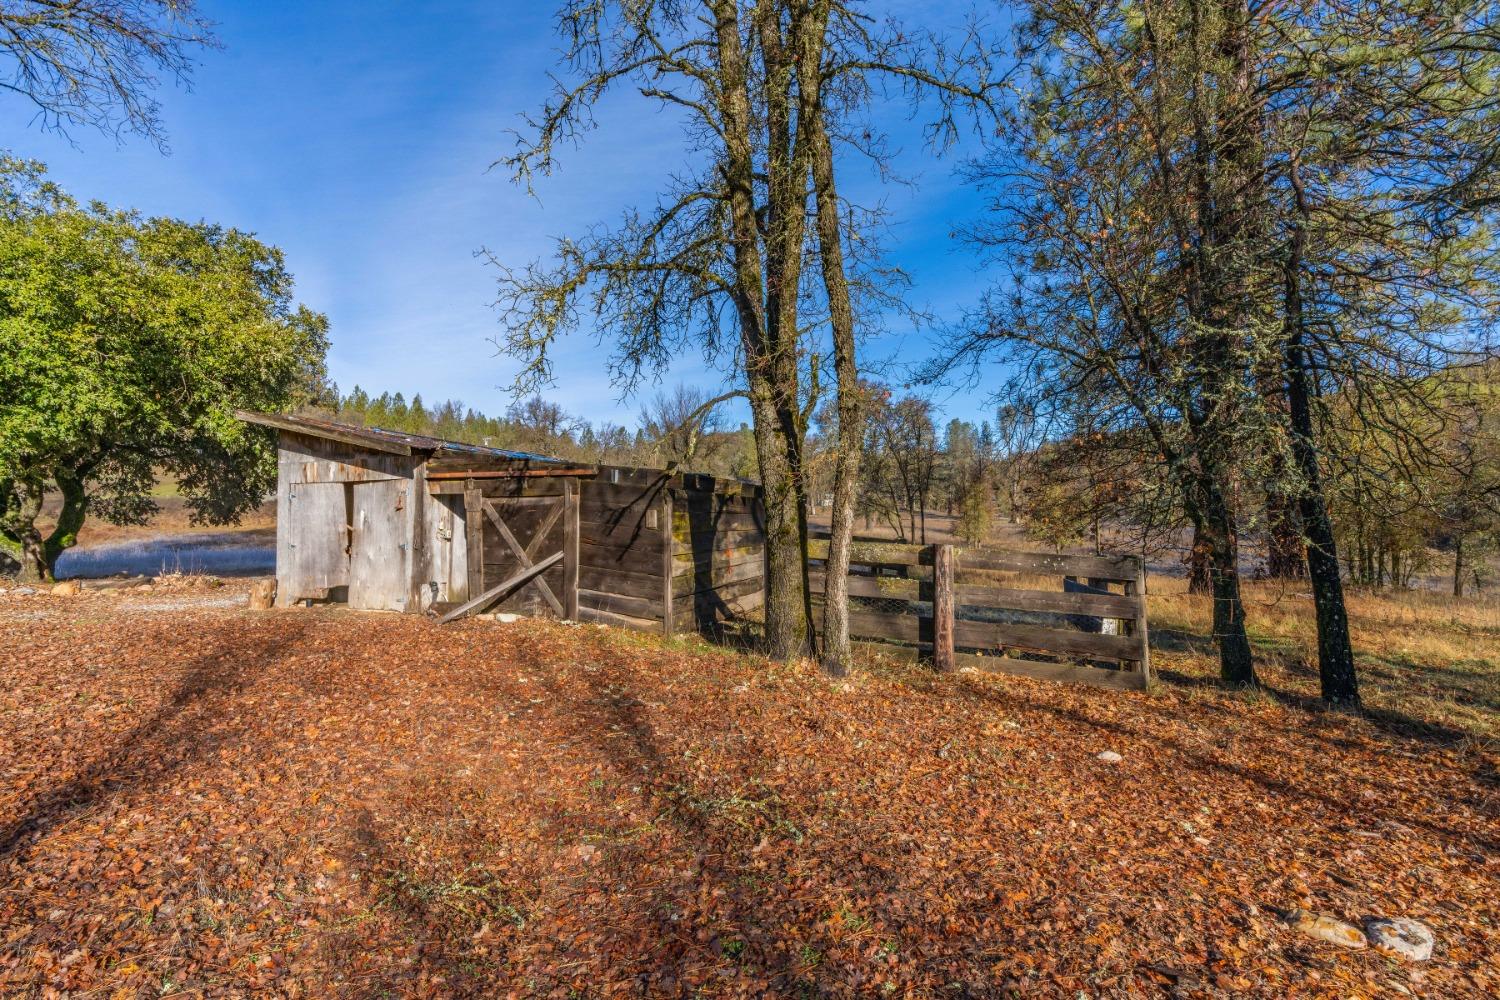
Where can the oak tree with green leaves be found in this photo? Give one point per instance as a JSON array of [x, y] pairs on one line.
[[126, 344]]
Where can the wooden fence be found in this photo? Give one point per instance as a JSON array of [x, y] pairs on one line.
[[986, 608]]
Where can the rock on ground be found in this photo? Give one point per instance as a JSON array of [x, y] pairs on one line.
[[1401, 937], [1324, 928]]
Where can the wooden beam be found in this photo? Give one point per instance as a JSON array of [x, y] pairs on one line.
[[620, 604], [1136, 591], [1052, 602], [419, 566], [474, 539], [667, 565], [506, 474], [942, 609], [494, 593], [1117, 568], [622, 621], [987, 635], [570, 550]]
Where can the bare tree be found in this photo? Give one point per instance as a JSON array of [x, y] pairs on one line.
[[1017, 435], [768, 91], [681, 425], [95, 63]]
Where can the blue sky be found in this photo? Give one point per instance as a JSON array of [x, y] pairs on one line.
[[357, 137]]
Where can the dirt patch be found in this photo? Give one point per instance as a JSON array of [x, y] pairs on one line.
[[328, 803]]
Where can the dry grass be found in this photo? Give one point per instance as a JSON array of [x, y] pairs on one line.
[[1429, 663], [173, 517]]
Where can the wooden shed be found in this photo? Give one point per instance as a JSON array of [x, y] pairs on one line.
[[381, 520]]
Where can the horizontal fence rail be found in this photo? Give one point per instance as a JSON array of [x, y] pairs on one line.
[[985, 608]]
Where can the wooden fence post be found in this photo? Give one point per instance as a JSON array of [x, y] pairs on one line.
[[1137, 588], [474, 538], [666, 560], [942, 608], [570, 550]]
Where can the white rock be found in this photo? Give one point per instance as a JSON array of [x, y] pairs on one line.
[[1110, 757], [1401, 937], [23, 591], [1328, 929]]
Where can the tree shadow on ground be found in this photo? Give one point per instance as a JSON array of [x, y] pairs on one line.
[[1390, 721], [610, 709], [1172, 640], [167, 740], [615, 721], [1203, 762]]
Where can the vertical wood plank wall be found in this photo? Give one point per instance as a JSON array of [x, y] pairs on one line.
[[320, 465], [668, 553], [718, 556]]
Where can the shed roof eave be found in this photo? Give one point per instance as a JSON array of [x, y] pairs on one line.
[[394, 442]]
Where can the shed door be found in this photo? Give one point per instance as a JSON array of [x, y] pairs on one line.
[[520, 531], [379, 574], [316, 533]]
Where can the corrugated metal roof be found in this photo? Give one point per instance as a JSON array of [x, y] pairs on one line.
[[396, 442]]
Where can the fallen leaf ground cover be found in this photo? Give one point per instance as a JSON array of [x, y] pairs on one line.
[[200, 800]]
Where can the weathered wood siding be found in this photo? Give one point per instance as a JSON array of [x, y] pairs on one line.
[[642, 548], [380, 551], [718, 557], [527, 515], [651, 541], [315, 505], [447, 533], [620, 539]]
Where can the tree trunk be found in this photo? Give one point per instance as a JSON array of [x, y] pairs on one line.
[[1336, 676], [22, 506], [770, 362], [1216, 521], [69, 520], [783, 637], [1458, 565], [1285, 553], [1200, 580], [836, 650]]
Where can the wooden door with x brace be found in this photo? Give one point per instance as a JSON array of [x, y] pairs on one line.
[[523, 523]]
